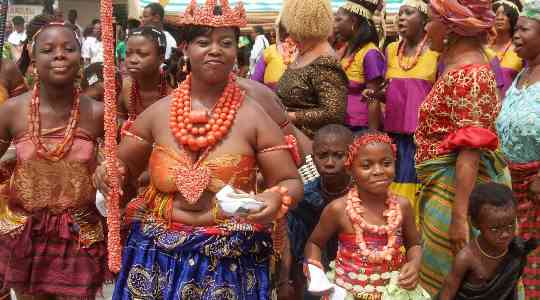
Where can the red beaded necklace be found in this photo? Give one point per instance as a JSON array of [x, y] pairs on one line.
[[393, 215], [135, 96], [401, 53], [201, 131], [35, 128]]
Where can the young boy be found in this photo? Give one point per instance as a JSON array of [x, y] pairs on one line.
[[491, 264], [330, 147]]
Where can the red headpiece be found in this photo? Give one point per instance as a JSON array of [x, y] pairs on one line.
[[366, 139], [204, 16]]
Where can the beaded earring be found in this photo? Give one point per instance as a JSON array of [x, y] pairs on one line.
[[185, 66]]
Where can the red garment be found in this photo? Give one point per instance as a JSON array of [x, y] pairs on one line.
[[528, 220], [463, 98]]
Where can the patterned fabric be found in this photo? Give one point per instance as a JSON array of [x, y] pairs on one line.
[[435, 202], [192, 263], [463, 98], [528, 221], [270, 68], [518, 124], [368, 64], [316, 93], [464, 17], [52, 222]]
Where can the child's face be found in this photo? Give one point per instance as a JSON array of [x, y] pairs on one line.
[[329, 155], [373, 168], [497, 225]]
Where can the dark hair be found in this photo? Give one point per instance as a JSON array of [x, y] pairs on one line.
[[32, 28], [156, 9], [510, 12], [494, 194], [18, 20], [334, 130], [72, 13], [96, 21], [153, 34], [193, 31], [258, 29], [365, 31], [133, 23]]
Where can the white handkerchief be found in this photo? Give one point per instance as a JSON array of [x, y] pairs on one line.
[[100, 204], [318, 283], [339, 293], [233, 203]]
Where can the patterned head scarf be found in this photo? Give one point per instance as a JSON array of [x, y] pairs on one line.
[[465, 17], [418, 4], [531, 9]]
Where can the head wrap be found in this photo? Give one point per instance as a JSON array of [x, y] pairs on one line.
[[531, 9], [464, 17], [420, 5]]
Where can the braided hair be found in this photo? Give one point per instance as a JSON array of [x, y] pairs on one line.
[[32, 28]]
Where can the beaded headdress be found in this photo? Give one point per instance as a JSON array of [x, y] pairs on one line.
[[366, 139], [206, 15], [510, 4], [59, 24], [357, 7], [418, 4]]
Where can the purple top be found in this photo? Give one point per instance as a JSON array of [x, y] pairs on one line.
[[507, 77], [403, 99], [258, 73], [373, 66]]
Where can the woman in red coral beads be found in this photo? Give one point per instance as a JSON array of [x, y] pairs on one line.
[[182, 244], [54, 246]]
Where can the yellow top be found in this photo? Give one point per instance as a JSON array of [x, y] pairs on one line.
[[425, 68], [274, 65]]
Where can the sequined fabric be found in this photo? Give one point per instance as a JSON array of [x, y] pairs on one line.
[[465, 97], [237, 170], [317, 93], [356, 274]]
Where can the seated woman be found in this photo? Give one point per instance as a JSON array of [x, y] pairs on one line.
[[181, 244]]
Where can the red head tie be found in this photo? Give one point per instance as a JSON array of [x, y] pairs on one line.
[[366, 139]]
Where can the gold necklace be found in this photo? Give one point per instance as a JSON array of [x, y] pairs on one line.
[[497, 257]]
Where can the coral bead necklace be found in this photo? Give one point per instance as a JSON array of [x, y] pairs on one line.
[[406, 66], [393, 215], [201, 131], [135, 98], [35, 128]]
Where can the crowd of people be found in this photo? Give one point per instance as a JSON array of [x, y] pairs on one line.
[[249, 166]]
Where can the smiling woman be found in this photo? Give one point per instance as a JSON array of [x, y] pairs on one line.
[[57, 230], [181, 243]]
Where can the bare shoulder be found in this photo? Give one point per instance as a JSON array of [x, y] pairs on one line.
[[465, 256], [12, 105], [404, 204], [263, 95], [337, 206], [159, 109], [97, 108]]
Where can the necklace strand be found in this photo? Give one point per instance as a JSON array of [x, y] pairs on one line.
[[401, 55], [496, 257], [336, 194]]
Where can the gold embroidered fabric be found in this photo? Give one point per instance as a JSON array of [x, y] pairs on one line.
[[56, 186], [317, 93]]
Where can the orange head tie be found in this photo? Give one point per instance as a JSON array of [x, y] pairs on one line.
[[366, 139], [205, 15]]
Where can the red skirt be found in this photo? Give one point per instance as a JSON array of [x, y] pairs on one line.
[[528, 221], [47, 259]]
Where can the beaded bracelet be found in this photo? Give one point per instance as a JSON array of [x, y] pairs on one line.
[[286, 200]]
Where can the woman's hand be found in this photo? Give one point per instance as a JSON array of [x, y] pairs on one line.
[[459, 233], [268, 213], [534, 189], [408, 275], [102, 180]]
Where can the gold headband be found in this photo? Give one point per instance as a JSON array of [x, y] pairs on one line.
[[507, 3], [418, 4], [358, 9]]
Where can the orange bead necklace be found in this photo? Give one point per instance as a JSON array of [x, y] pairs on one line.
[[201, 131], [35, 128], [410, 63]]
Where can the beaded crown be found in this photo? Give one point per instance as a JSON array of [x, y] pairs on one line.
[[365, 139], [206, 15]]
